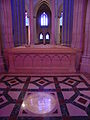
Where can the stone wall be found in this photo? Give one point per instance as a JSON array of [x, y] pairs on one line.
[[85, 65]]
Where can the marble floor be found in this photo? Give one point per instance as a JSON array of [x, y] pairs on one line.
[[63, 97]]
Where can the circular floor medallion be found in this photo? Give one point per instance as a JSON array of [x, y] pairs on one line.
[[39, 103]]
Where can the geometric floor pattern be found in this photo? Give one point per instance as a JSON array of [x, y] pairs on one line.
[[72, 94]]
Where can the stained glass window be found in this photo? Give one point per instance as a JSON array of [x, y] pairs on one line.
[[44, 19], [41, 36], [61, 19], [47, 36], [26, 19]]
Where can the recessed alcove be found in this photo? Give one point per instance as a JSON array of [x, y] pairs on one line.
[[43, 23]]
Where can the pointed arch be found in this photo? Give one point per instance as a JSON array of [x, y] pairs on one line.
[[38, 4], [60, 10]]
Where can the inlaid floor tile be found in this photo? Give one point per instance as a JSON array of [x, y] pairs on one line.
[[75, 111], [87, 93], [81, 85], [41, 82], [76, 78], [64, 86], [2, 85], [71, 93], [22, 78], [12, 82], [70, 82], [14, 94], [3, 100], [61, 78], [8, 78], [33, 86], [34, 78], [6, 111], [68, 94], [54, 112], [82, 101], [18, 86], [49, 78], [50, 86]]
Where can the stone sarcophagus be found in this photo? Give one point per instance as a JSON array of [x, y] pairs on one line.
[[41, 60]]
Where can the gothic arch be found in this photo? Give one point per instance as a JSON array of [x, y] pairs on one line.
[[38, 4], [60, 10], [45, 11]]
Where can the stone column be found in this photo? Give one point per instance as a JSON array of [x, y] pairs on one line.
[[6, 39], [31, 22], [58, 30], [1, 61], [6, 23], [52, 41], [67, 21], [78, 28], [78, 23], [1, 58], [18, 21], [22, 21], [85, 63], [35, 34], [57, 26]]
